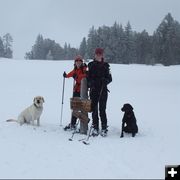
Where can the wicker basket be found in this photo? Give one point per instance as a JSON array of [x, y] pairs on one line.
[[76, 103]]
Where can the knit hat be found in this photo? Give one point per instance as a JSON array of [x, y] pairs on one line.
[[78, 58], [99, 51]]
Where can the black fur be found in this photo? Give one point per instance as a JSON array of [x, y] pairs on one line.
[[129, 121]]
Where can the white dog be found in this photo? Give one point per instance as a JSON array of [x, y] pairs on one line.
[[31, 113]]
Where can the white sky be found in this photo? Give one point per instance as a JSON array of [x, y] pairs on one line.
[[70, 20]]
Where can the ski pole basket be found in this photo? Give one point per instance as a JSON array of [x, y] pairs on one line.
[[76, 103]]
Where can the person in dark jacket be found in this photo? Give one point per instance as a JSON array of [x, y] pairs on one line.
[[78, 73], [99, 77]]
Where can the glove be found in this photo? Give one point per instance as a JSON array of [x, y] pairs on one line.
[[74, 76], [90, 84], [64, 74], [104, 81]]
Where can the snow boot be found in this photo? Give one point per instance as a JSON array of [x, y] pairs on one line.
[[104, 132], [95, 132], [69, 127]]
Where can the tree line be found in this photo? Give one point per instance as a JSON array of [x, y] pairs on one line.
[[6, 46], [47, 49], [125, 46], [122, 45]]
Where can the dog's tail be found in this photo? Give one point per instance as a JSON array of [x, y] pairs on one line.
[[11, 120]]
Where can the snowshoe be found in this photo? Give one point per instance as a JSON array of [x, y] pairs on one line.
[[69, 127], [104, 132], [95, 132]]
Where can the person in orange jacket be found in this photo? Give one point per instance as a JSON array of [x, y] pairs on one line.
[[78, 73]]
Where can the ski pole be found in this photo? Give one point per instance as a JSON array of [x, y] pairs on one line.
[[86, 142], [62, 101], [74, 132]]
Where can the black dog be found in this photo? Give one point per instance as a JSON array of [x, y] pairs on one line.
[[129, 121]]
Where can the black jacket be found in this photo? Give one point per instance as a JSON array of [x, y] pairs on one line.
[[98, 74]]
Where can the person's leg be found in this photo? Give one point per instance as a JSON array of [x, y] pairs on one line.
[[72, 123], [94, 106], [73, 118], [102, 109]]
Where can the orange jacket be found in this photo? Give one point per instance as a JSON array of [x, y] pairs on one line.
[[78, 74]]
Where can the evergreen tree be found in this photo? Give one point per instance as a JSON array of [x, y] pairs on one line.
[[65, 51], [72, 52], [104, 40], [130, 53], [49, 56], [38, 48], [176, 48], [1, 48], [29, 55], [57, 52], [7, 42], [49, 49], [117, 42], [83, 48], [166, 42], [143, 48], [92, 42], [121, 45]]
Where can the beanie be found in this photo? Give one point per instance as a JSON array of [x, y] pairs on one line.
[[78, 58], [99, 51]]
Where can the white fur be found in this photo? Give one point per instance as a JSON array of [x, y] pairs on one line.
[[31, 113]]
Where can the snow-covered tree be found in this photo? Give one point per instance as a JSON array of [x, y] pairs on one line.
[[143, 47], [1, 48], [38, 48], [130, 52], [83, 48], [49, 55], [7, 42], [167, 41]]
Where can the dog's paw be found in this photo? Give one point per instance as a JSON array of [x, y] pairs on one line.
[[133, 134], [121, 136]]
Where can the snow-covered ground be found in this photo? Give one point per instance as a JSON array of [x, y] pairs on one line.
[[45, 152]]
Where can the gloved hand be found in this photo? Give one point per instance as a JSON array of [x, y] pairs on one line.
[[90, 84], [74, 76], [64, 74], [104, 81]]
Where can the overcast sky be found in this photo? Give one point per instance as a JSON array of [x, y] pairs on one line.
[[70, 20]]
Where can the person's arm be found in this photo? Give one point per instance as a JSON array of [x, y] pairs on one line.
[[108, 77], [84, 73], [90, 79], [70, 74]]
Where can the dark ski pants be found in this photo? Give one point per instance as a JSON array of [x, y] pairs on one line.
[[99, 103], [73, 118]]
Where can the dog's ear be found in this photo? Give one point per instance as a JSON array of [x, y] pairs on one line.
[[43, 99], [130, 107], [34, 99], [123, 108], [127, 107]]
